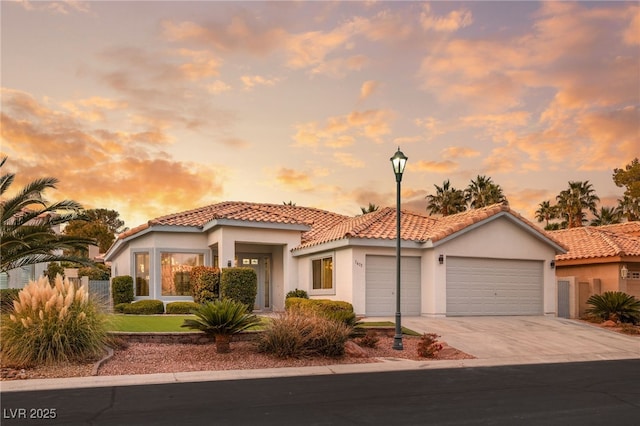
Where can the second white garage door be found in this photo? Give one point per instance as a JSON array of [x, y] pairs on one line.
[[494, 287], [381, 285]]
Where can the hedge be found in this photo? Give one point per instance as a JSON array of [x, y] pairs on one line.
[[205, 284], [141, 307], [122, 289], [336, 310], [181, 307], [240, 284]]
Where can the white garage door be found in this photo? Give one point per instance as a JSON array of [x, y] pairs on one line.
[[494, 287], [381, 285]]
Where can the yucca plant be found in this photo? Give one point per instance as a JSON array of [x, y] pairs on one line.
[[616, 306], [222, 319], [53, 324]]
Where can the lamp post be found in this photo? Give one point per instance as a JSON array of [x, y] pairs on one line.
[[398, 161]]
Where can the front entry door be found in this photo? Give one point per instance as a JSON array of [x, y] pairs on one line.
[[261, 263]]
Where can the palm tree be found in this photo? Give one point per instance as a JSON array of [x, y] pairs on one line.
[[483, 192], [629, 208], [289, 203], [573, 202], [606, 216], [446, 201], [546, 212], [372, 208], [27, 232]]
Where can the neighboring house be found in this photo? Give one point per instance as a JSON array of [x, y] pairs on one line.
[[488, 261], [599, 259]]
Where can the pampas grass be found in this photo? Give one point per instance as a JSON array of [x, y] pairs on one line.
[[52, 324]]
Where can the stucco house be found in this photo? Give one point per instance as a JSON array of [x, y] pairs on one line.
[[488, 261], [599, 259]]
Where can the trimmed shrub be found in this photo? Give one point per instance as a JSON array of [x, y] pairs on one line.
[[336, 310], [119, 308], [615, 306], [53, 270], [222, 318], [143, 307], [53, 324], [122, 289], [7, 296], [205, 284], [296, 335], [370, 339], [181, 307], [428, 346], [240, 284], [297, 293]]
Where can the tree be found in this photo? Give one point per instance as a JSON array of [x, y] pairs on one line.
[[370, 209], [27, 233], [629, 208], [573, 202], [99, 224], [289, 203], [629, 177], [446, 201], [606, 216], [482, 192], [546, 212]]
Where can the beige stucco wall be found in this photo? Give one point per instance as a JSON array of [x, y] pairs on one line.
[[607, 273]]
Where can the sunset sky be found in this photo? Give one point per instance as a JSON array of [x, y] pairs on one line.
[[150, 108]]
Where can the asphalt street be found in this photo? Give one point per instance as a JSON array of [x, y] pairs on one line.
[[583, 393]]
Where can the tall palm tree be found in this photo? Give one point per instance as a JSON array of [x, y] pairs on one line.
[[482, 192], [546, 212], [370, 209], [27, 232], [573, 202], [446, 201], [606, 216]]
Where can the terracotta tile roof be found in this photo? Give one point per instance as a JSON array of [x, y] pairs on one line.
[[629, 228], [592, 242], [326, 226], [316, 219], [414, 226]]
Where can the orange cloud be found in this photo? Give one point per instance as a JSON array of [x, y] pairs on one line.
[[453, 21], [368, 88], [251, 81], [348, 160], [293, 179], [459, 152]]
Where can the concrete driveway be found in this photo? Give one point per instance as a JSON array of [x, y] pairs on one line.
[[529, 339]]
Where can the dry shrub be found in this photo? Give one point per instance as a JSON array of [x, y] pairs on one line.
[[52, 324], [370, 339], [297, 335], [428, 347]]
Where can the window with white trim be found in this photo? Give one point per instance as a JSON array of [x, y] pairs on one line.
[[322, 274]]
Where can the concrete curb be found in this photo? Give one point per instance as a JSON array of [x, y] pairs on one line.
[[97, 365]]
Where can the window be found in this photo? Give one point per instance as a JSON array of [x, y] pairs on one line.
[[142, 274], [322, 273], [176, 268]]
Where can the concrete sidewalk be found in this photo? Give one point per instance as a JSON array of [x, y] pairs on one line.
[[493, 340]]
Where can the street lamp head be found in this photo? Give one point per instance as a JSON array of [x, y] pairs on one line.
[[398, 161]]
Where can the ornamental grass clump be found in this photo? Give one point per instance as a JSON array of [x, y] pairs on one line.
[[53, 324]]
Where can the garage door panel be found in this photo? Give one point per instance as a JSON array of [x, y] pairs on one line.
[[478, 286], [380, 293]]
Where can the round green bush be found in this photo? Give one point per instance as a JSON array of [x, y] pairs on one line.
[[144, 307], [297, 293], [181, 307]]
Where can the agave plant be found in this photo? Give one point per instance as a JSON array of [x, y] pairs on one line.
[[615, 305], [222, 319]]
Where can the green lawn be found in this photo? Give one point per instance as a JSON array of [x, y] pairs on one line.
[[148, 323], [152, 323]]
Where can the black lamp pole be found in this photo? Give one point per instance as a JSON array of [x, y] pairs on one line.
[[398, 161]]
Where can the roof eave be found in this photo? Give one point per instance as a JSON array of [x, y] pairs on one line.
[[255, 224], [356, 242]]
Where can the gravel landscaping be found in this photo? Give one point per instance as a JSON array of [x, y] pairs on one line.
[[148, 358]]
